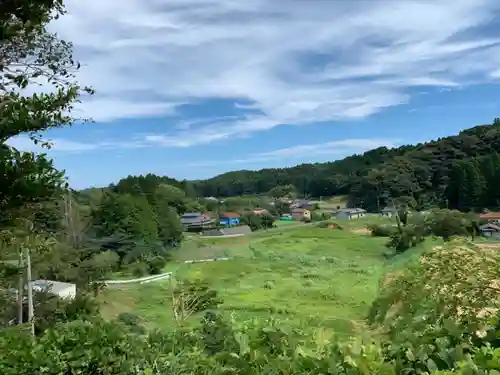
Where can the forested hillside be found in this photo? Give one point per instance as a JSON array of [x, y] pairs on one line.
[[457, 172]]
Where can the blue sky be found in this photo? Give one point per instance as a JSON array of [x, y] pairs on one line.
[[194, 88]]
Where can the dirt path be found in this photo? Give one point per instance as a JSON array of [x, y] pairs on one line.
[[488, 245]]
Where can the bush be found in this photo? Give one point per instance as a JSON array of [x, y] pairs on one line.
[[382, 230], [328, 224], [132, 321], [448, 223], [317, 216], [196, 295], [410, 236], [138, 268], [129, 319], [156, 264], [269, 285], [52, 310]]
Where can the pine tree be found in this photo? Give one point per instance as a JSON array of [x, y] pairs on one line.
[[491, 170], [472, 189]]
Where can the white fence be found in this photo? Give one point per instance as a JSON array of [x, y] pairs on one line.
[[166, 275]]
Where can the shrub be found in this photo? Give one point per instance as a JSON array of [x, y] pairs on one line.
[[317, 216], [132, 321], [382, 230], [410, 236], [448, 223], [328, 224], [156, 264], [196, 295], [138, 268], [269, 285]]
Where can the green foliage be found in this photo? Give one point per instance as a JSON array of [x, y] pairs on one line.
[[328, 224], [156, 264], [256, 222], [448, 223], [283, 191], [456, 172], [132, 321], [408, 237], [437, 317], [30, 54], [169, 196], [26, 181], [125, 215], [382, 230], [441, 287], [167, 200], [138, 268], [51, 310], [196, 295]]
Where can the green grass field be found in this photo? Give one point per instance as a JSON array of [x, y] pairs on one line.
[[313, 278]]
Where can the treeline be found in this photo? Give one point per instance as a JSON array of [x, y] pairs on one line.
[[457, 172], [425, 175]]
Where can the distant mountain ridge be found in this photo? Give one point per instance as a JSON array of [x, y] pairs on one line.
[[436, 173], [418, 174]]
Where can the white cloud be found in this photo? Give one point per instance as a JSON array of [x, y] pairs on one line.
[[308, 152], [296, 62], [23, 143], [58, 145]]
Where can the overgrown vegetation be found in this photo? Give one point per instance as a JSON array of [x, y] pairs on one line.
[[430, 320], [409, 232], [458, 172], [437, 316]]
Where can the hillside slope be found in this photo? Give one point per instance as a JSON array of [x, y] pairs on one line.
[[457, 171]]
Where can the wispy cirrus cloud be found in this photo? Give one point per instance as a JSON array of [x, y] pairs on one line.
[[308, 152], [23, 143], [295, 62]]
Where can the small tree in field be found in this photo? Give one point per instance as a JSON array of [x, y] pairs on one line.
[[448, 223]]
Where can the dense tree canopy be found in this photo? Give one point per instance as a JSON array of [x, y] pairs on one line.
[[456, 172]]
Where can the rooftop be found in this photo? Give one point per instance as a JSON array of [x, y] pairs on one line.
[[490, 215], [490, 226], [389, 209], [352, 210]]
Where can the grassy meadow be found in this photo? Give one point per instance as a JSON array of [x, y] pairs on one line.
[[314, 278]]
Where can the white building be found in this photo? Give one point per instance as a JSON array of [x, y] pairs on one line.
[[350, 213], [58, 288], [388, 211]]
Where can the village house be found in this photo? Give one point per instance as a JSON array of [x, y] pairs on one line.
[[196, 220], [490, 230], [229, 218], [388, 211], [491, 217], [301, 214], [286, 217], [301, 204], [350, 213]]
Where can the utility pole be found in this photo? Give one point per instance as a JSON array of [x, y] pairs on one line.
[[31, 312], [20, 289], [71, 219], [398, 219]]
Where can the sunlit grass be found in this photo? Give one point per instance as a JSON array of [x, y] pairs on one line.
[[312, 278]]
